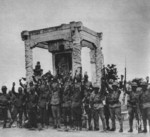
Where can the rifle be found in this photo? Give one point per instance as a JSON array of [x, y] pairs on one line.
[[124, 88], [139, 121], [102, 91]]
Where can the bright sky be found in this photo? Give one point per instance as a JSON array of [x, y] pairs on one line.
[[125, 25]]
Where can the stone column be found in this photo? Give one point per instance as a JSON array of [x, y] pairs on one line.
[[76, 54], [99, 61], [28, 55], [93, 65]]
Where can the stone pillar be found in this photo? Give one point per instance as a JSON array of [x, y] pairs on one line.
[[93, 65], [76, 54], [53, 61], [28, 55], [99, 61]]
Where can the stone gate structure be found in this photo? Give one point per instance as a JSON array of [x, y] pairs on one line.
[[65, 43]]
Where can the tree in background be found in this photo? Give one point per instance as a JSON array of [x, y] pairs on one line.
[[110, 72]]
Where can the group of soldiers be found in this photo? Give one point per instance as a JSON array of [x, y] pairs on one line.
[[74, 103], [139, 105]]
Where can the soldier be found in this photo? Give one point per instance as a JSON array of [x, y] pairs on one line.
[[11, 102], [133, 106], [87, 86], [24, 86], [106, 103], [32, 106], [115, 106], [66, 102], [98, 108], [55, 102], [106, 110], [18, 105], [4, 101], [76, 103], [145, 103], [43, 104]]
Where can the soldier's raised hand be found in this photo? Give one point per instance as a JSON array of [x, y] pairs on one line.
[[14, 83]]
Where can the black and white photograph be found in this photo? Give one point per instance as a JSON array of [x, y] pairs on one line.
[[74, 68]]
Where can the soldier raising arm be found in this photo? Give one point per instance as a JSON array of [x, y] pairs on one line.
[[4, 104], [133, 106], [115, 105]]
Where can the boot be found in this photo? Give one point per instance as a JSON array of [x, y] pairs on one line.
[[55, 127], [121, 130], [121, 126], [145, 127], [4, 126], [39, 126], [131, 125], [139, 129], [113, 125], [112, 129], [104, 125], [108, 128], [96, 129], [144, 131], [130, 130], [90, 128]]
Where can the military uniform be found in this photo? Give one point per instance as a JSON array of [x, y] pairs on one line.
[[18, 102], [43, 104], [86, 101], [133, 106], [145, 104], [98, 109], [55, 103], [25, 101], [76, 105], [4, 101], [107, 111], [115, 107], [66, 103], [32, 107]]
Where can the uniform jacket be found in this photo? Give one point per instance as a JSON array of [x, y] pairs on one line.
[[67, 94], [133, 98], [113, 98], [4, 100], [96, 101], [77, 95], [55, 94], [43, 96], [19, 99], [145, 99], [32, 101]]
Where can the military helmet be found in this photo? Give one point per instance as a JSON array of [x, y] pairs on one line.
[[31, 82], [4, 87], [144, 84], [19, 88], [55, 78], [134, 84], [110, 81]]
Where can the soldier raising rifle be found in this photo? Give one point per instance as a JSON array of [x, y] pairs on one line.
[[133, 106]]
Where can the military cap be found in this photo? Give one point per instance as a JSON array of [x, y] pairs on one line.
[[19, 88], [110, 81], [4, 87], [134, 84], [31, 83], [144, 84], [55, 78]]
